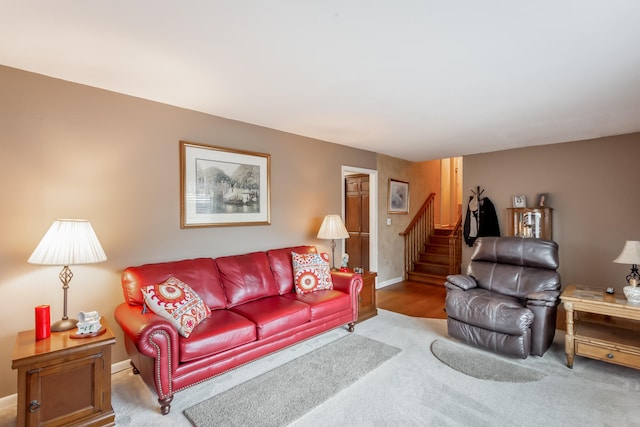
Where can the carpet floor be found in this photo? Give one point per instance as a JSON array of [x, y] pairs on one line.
[[414, 388]]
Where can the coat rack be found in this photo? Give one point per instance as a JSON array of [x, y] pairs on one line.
[[478, 192]]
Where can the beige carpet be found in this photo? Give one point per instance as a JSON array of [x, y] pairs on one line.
[[415, 389]]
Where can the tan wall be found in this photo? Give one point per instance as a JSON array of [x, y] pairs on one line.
[[593, 190], [71, 151], [423, 179]]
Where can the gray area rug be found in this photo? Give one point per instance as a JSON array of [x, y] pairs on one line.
[[481, 364], [286, 393]]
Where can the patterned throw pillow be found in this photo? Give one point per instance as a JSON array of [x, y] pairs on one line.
[[311, 272], [175, 301]]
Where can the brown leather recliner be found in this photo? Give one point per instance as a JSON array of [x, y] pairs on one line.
[[507, 302]]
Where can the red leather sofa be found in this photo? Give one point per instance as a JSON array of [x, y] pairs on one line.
[[254, 311]]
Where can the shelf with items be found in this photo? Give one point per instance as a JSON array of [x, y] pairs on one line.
[[530, 222]]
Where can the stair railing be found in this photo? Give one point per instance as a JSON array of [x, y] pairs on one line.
[[455, 248], [417, 234]]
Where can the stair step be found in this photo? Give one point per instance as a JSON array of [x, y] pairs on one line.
[[436, 249], [426, 267], [439, 240], [431, 279], [442, 231], [435, 258]]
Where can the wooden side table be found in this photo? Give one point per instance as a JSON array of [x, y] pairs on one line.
[[64, 380], [367, 298], [601, 326]]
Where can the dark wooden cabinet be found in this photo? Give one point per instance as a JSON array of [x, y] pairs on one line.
[[64, 381], [367, 298], [357, 220]]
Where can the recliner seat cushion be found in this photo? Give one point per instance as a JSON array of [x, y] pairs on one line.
[[489, 310]]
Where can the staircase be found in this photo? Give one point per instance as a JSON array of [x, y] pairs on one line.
[[432, 266], [431, 253]]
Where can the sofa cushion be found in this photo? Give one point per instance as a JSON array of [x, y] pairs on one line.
[[311, 272], [246, 277], [221, 331], [175, 301], [281, 265], [274, 314], [323, 303], [489, 310], [200, 273]]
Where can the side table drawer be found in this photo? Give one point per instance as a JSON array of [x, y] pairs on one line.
[[608, 354]]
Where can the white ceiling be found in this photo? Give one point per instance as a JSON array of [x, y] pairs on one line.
[[414, 79]]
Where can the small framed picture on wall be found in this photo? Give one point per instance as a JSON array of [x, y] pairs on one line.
[[398, 197]]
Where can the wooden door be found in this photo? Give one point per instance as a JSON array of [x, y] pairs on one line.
[[357, 220]]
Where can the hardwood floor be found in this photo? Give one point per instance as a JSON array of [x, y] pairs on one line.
[[413, 299]]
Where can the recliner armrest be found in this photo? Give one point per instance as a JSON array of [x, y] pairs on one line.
[[545, 298], [461, 281]]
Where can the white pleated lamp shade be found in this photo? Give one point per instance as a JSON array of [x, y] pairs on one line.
[[333, 228], [68, 242], [630, 253]]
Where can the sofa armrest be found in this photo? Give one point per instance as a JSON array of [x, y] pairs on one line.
[[544, 298], [152, 335], [460, 281], [349, 283]]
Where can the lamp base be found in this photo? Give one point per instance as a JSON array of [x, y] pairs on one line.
[[64, 325], [632, 293]]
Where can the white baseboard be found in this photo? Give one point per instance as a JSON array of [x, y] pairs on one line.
[[120, 366], [9, 401], [12, 399], [388, 282]]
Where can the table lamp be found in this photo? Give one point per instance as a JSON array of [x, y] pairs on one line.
[[68, 242], [630, 255], [333, 228]]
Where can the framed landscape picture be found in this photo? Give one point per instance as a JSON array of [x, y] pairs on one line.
[[223, 187], [398, 197]]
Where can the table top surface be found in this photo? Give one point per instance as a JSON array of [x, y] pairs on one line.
[[27, 346], [577, 293]]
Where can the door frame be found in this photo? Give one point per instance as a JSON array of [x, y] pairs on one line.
[[373, 210]]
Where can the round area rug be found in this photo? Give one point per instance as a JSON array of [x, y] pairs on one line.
[[480, 364]]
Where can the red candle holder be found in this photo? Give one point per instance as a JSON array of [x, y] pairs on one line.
[[43, 322]]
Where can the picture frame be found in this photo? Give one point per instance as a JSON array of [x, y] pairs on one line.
[[519, 201], [221, 186], [543, 199], [398, 202]]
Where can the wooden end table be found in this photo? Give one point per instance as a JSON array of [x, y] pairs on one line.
[[601, 326], [64, 380], [367, 298]]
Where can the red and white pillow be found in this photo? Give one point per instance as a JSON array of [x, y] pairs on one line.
[[311, 272], [175, 301]]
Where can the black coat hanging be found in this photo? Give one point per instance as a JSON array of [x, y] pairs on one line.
[[481, 218]]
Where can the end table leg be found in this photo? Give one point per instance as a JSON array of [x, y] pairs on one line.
[[569, 345]]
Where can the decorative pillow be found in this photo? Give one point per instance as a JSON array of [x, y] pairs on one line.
[[311, 272], [175, 301]]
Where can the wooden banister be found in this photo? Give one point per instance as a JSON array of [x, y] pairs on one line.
[[455, 248], [417, 233]]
